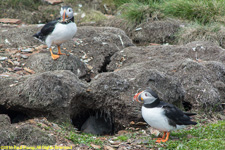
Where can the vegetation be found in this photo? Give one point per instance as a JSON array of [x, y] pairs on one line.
[[202, 136], [194, 32], [202, 11], [21, 4], [83, 138], [208, 136]]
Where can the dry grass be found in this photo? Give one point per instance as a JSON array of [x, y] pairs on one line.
[[195, 32]]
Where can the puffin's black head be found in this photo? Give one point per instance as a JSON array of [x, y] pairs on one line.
[[147, 96], [66, 12]]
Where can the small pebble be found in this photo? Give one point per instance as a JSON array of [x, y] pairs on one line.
[[24, 56], [17, 68], [16, 63], [28, 50], [3, 58]]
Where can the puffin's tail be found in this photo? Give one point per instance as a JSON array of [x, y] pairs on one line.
[[189, 114], [190, 122]]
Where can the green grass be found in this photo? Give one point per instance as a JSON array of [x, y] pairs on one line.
[[123, 138], [83, 138], [209, 136], [21, 4], [202, 11], [203, 136], [136, 11]]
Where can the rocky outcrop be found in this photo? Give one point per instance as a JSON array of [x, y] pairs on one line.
[[43, 62], [28, 134], [156, 32], [197, 66], [189, 76], [49, 94], [96, 45]]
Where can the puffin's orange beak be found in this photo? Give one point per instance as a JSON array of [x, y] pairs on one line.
[[136, 97], [64, 15]]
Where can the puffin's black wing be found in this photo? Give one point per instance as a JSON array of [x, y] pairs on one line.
[[46, 30], [176, 116]]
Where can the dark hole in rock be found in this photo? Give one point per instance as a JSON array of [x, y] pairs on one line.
[[187, 105], [95, 122], [105, 63], [15, 116]]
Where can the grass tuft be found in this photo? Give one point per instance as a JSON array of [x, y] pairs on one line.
[[202, 137], [214, 32], [202, 11], [83, 138], [21, 4], [137, 12]]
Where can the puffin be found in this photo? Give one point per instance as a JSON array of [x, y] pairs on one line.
[[162, 116], [58, 31]]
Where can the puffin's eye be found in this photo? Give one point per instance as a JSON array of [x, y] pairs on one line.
[[146, 94], [69, 10]]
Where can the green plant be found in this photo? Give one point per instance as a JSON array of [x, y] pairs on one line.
[[21, 4], [83, 138], [136, 11], [123, 138], [202, 11], [209, 136]]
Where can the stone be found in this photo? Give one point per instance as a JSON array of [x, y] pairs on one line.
[[10, 21], [25, 134], [54, 2], [48, 94], [4, 120], [42, 62], [179, 63], [161, 32]]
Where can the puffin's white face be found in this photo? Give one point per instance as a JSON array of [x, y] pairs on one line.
[[66, 12], [145, 96]]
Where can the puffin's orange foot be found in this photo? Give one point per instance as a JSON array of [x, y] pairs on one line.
[[55, 56], [59, 51], [163, 137], [163, 140], [159, 140]]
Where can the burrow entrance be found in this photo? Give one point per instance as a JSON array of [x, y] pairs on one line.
[[98, 122], [15, 116]]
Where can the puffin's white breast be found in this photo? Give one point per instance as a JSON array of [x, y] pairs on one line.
[[61, 33], [156, 118]]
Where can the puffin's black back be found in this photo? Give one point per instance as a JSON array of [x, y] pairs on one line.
[[176, 116], [46, 30]]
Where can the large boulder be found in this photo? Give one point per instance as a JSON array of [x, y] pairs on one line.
[[162, 31], [198, 67], [110, 94], [92, 45], [42, 62], [46, 94], [25, 135], [95, 45], [4, 120]]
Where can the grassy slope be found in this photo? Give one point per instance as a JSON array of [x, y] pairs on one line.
[[204, 18], [202, 136]]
